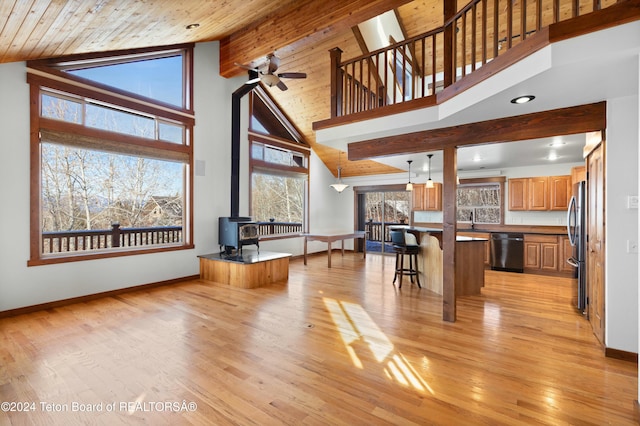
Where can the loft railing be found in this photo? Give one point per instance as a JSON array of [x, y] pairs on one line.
[[422, 66], [83, 240]]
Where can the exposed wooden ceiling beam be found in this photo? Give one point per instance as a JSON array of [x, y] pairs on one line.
[[563, 121], [301, 24]]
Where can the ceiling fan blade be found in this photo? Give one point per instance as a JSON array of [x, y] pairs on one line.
[[246, 67], [253, 80], [293, 75], [282, 86]]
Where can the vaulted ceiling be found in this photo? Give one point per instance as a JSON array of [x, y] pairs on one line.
[[301, 32]]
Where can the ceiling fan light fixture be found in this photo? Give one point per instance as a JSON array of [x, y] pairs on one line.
[[270, 79]]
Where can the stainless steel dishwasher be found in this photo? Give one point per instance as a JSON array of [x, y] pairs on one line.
[[507, 251]]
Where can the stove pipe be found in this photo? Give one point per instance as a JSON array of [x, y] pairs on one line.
[[235, 142]]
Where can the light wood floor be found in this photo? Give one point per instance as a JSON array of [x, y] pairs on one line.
[[330, 347]]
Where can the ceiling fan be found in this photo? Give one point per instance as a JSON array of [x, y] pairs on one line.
[[266, 73]]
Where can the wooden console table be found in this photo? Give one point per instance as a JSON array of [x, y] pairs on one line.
[[331, 237], [248, 270]]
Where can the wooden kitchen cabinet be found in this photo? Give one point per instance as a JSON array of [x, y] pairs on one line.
[[518, 193], [547, 255], [538, 193], [531, 256], [417, 196], [578, 174], [559, 192], [487, 244], [541, 253], [433, 197]]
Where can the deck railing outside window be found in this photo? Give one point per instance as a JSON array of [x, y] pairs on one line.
[[97, 239], [275, 228]]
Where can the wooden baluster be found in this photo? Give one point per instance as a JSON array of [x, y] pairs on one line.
[[496, 38], [386, 79], [474, 14], [433, 64], [424, 69], [523, 20], [538, 15], [395, 74], [509, 23], [463, 47], [484, 32]]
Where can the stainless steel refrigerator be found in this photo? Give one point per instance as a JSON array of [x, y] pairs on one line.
[[576, 228]]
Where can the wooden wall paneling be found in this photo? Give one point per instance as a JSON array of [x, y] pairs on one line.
[[297, 25]]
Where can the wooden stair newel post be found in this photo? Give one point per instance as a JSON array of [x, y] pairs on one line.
[[336, 82], [449, 43]]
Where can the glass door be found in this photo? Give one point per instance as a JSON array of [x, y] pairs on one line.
[[380, 210]]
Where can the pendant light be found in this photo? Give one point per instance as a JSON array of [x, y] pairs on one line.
[[339, 186], [429, 181], [409, 184]]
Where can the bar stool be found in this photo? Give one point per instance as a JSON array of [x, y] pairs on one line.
[[401, 248]]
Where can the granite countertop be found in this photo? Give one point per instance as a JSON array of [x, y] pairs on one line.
[[459, 238], [483, 228]]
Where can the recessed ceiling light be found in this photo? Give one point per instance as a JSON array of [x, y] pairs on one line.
[[192, 26], [552, 156], [522, 99]]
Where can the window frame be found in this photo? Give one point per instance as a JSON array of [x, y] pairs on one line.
[[295, 144], [497, 181], [264, 167], [48, 75]]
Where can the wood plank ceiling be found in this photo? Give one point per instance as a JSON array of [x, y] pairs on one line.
[[301, 32]]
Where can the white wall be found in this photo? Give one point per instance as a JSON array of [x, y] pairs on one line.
[[621, 224], [24, 286]]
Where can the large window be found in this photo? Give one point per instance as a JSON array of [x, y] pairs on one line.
[[111, 155], [279, 170]]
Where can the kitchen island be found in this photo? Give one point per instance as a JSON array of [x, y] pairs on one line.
[[469, 261]]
